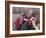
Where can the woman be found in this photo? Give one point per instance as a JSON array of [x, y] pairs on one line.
[[32, 21], [24, 23], [21, 23]]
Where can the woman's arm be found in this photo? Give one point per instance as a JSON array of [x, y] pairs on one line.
[[33, 22]]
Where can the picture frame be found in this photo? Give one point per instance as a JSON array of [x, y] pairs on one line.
[[8, 8]]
